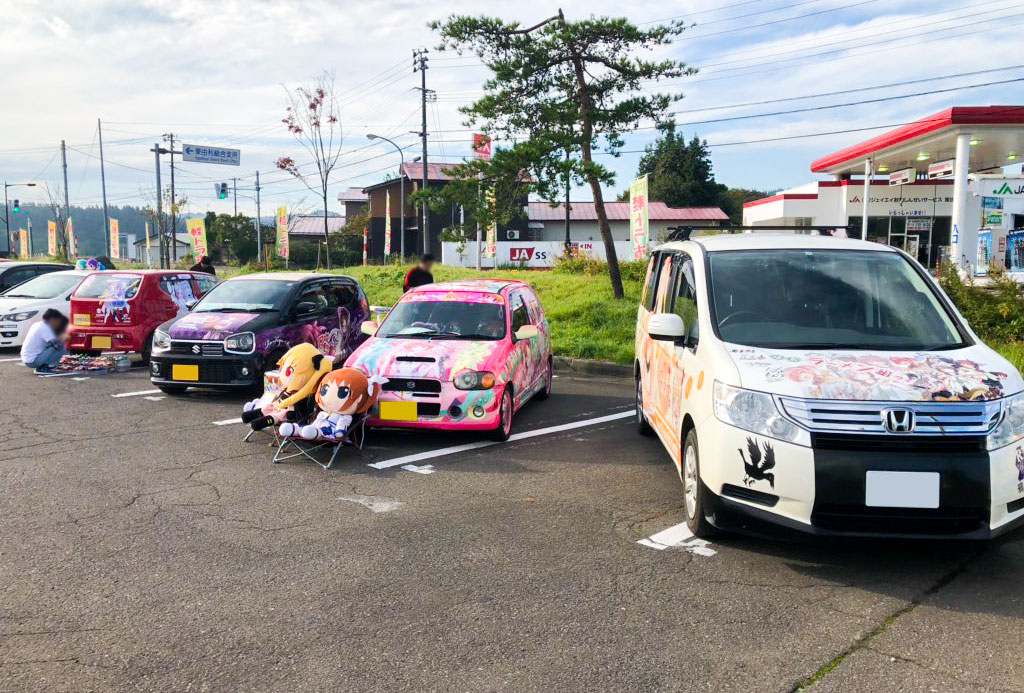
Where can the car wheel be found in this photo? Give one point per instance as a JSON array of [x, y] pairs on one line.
[[642, 426], [693, 493], [549, 381], [173, 389], [147, 349], [504, 427]]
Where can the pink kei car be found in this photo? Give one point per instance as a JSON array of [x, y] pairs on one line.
[[458, 356]]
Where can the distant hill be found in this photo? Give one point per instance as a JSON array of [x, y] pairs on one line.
[[88, 225]]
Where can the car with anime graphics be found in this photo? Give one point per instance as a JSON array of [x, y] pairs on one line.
[[462, 355], [240, 329], [827, 386], [23, 305], [119, 310]]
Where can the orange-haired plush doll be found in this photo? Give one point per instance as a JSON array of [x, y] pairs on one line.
[[341, 394]]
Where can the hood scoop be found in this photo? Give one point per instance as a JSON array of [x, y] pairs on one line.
[[416, 359]]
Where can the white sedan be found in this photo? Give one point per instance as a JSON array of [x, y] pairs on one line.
[[23, 305]]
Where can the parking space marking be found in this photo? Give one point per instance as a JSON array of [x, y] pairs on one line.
[[18, 358], [678, 536], [425, 469], [442, 452], [136, 394], [154, 399], [227, 422]]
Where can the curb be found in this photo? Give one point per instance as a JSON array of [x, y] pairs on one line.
[[590, 367]]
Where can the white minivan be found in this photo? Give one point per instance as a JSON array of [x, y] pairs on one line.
[[825, 385]]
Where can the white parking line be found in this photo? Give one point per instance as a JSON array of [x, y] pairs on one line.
[[425, 469], [681, 536], [18, 358], [135, 394], [154, 399], [227, 422], [441, 452]]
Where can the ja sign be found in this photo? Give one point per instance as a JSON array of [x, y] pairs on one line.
[[204, 154]]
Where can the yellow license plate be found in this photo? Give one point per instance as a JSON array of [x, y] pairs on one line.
[[398, 411], [83, 319], [99, 342], [184, 372]]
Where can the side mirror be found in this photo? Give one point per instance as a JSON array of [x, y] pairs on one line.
[[666, 326], [526, 332], [368, 327]]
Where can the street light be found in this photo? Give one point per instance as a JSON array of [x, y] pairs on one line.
[[401, 177], [7, 213]]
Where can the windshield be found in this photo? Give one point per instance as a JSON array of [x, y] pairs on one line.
[[838, 299], [122, 286], [45, 286], [444, 320], [245, 296]]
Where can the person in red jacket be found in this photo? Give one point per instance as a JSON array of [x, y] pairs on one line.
[[420, 274]]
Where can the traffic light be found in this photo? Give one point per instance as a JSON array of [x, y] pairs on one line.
[[17, 207], [222, 191]]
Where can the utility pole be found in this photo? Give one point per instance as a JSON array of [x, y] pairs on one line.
[[259, 225], [568, 182], [419, 60], [174, 203], [234, 186], [159, 209], [67, 202], [103, 183]]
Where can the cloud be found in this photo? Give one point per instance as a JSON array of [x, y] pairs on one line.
[[59, 27]]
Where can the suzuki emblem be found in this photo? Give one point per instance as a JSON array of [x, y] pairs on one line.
[[410, 385], [196, 349], [899, 420]]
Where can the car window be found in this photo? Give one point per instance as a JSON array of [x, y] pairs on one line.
[[664, 288], [179, 288], [684, 300], [533, 305], [312, 301], [17, 275], [205, 283], [45, 286], [102, 285], [520, 316], [650, 283], [342, 295]]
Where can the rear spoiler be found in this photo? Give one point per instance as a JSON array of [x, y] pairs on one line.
[[682, 233]]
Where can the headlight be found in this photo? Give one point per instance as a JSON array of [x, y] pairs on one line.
[[161, 341], [243, 342], [755, 412], [18, 317], [474, 380], [1011, 426]]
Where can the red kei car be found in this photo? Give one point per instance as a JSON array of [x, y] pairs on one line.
[[118, 310]]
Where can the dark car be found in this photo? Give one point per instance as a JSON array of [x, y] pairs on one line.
[[14, 273], [242, 327]]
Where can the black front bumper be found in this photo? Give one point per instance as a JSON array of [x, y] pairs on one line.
[[229, 372], [840, 469]]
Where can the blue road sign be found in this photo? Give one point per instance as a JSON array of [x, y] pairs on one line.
[[205, 154]]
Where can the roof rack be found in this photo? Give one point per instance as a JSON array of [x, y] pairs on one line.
[[682, 233]]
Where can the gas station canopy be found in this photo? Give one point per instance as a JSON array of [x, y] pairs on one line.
[[997, 140]]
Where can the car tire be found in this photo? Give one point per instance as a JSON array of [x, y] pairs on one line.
[[642, 425], [549, 382], [173, 390], [504, 428], [147, 349], [693, 490]]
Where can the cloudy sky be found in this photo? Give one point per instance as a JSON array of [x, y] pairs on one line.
[[212, 72]]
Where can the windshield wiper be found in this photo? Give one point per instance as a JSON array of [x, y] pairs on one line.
[[19, 296], [816, 345], [235, 310]]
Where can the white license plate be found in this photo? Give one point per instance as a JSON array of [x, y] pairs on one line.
[[902, 489]]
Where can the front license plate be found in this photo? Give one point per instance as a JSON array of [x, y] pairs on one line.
[[99, 342], [180, 371], [398, 411], [82, 319], [902, 489]]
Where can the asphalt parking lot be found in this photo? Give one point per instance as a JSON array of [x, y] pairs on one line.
[[146, 548]]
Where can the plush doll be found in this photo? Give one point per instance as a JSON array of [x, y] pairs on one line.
[[342, 394], [301, 369]]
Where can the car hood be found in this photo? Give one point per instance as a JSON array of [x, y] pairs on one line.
[[425, 358], [969, 374], [17, 305], [212, 325]]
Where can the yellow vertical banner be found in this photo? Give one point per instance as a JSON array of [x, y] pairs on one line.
[[115, 239], [387, 223], [69, 228], [51, 238], [639, 225], [491, 246], [23, 238], [147, 244], [197, 232], [282, 232]]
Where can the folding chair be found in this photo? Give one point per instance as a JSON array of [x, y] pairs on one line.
[[290, 447]]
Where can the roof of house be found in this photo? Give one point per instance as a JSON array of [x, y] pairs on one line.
[[619, 211], [313, 225], [352, 195], [154, 240]]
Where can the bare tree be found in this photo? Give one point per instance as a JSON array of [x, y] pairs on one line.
[[55, 203], [313, 118]]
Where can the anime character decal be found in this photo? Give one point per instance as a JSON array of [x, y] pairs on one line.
[[1020, 469], [759, 467], [114, 305], [866, 376]]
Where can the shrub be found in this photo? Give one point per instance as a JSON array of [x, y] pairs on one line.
[[631, 270], [995, 311]]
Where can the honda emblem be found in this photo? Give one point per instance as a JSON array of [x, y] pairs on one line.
[[899, 420]]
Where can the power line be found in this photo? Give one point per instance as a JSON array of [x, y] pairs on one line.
[[778, 21], [693, 14]]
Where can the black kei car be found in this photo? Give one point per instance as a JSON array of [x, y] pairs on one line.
[[240, 329]]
